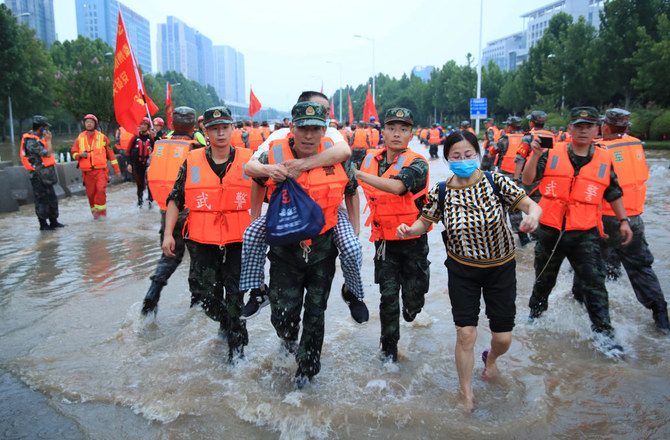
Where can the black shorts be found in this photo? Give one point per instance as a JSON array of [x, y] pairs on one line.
[[497, 284]]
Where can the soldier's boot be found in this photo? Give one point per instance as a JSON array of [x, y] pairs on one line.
[[152, 297], [44, 226], [661, 319], [53, 222], [389, 352]]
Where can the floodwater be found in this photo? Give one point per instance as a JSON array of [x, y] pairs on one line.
[[77, 360]]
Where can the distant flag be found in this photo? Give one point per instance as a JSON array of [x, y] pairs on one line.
[[131, 103], [369, 108], [331, 114], [351, 110], [254, 104], [322, 86], [168, 106]]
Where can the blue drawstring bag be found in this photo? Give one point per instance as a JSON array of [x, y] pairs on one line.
[[292, 215]]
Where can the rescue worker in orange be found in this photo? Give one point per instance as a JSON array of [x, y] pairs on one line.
[[139, 152], [240, 137], [301, 273], [375, 136], [92, 150], [395, 180], [255, 135], [631, 169], [491, 138], [168, 156], [435, 138], [574, 180], [465, 125], [38, 159], [359, 141], [212, 183]]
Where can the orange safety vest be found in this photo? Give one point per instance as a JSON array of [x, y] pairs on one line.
[[166, 159], [218, 208], [471, 130], [46, 161], [434, 136], [632, 172], [424, 133], [265, 131], [361, 139], [345, 134], [97, 152], [124, 139], [496, 138], [255, 138], [374, 137], [513, 143], [572, 199], [323, 184], [388, 211], [236, 139]]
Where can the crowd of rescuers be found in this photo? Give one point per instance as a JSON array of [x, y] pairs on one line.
[[583, 192]]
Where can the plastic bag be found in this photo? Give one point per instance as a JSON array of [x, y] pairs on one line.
[[292, 215]]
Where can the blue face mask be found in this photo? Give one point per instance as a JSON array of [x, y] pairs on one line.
[[464, 168]]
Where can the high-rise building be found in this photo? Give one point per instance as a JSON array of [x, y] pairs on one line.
[[206, 68], [423, 72], [510, 52], [99, 19], [39, 14], [230, 74]]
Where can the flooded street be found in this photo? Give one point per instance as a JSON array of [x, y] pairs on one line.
[[78, 361]]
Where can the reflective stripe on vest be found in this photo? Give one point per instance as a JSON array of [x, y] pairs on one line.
[[167, 158], [218, 208], [388, 211], [572, 200], [46, 161], [97, 152], [632, 173]]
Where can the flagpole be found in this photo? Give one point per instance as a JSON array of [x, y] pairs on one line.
[[140, 83]]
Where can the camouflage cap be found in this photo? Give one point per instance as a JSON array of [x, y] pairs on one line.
[[513, 121], [537, 116], [309, 113], [41, 120], [399, 114], [589, 115], [489, 121], [183, 118], [465, 123], [217, 115], [617, 117]]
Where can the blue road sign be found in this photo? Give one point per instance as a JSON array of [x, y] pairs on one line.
[[478, 107]]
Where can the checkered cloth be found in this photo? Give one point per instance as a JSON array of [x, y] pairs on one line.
[[254, 248]]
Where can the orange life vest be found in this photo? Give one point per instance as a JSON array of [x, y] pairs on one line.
[[255, 138], [374, 137], [471, 130], [236, 139], [388, 211], [166, 159], [124, 139], [218, 208], [572, 199], [632, 172], [496, 138], [424, 133], [97, 152], [325, 185], [345, 134], [361, 139], [434, 136], [513, 142], [46, 161], [265, 131]]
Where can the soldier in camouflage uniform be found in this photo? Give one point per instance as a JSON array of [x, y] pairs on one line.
[[184, 126], [300, 269], [217, 253], [578, 238], [398, 263], [37, 157], [636, 257]]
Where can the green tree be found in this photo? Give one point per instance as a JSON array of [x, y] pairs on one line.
[[652, 62]]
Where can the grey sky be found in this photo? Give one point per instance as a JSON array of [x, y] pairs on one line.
[[287, 44]]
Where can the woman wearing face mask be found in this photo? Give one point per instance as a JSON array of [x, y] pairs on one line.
[[480, 251]]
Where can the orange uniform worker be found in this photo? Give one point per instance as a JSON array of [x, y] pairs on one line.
[[360, 142], [465, 125], [92, 150]]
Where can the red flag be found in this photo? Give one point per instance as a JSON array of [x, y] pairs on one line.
[[351, 110], [254, 104], [369, 108], [130, 101], [168, 106], [331, 114]]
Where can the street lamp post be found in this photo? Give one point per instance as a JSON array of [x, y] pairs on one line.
[[373, 63], [339, 64]]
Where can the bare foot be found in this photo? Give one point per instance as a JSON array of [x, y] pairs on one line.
[[468, 402], [490, 372]]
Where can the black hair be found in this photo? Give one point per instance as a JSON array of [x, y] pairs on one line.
[[308, 95], [456, 137]]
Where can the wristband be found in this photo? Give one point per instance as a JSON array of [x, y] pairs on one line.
[[625, 219]]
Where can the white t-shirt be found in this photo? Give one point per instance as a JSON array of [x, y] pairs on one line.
[[331, 132]]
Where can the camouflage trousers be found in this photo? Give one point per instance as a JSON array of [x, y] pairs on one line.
[[295, 282], [432, 150], [582, 249], [215, 268], [167, 265], [637, 260], [400, 264], [46, 202]]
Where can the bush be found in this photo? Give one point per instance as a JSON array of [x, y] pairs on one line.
[[640, 128], [555, 120], [660, 128]]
